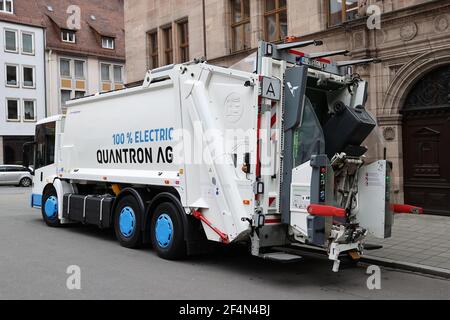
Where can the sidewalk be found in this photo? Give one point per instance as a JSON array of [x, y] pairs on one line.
[[416, 240]]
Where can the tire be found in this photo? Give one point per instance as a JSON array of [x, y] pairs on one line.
[[127, 222], [49, 208], [167, 233], [25, 182]]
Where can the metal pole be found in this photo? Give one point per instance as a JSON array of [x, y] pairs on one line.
[[205, 53]]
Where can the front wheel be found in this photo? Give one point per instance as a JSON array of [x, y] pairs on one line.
[[167, 233], [25, 182], [49, 208]]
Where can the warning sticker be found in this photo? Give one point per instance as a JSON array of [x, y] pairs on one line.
[[271, 88], [373, 179], [301, 197]]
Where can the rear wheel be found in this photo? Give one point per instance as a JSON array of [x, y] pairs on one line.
[[25, 182], [127, 222], [49, 208], [167, 233]]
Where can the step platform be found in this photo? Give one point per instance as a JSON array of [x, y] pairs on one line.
[[281, 257]]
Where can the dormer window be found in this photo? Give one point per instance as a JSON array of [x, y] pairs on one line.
[[7, 6], [67, 36], [108, 43]]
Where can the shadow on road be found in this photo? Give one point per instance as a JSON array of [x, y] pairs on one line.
[[236, 258]]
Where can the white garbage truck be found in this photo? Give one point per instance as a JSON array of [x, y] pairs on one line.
[[273, 157]]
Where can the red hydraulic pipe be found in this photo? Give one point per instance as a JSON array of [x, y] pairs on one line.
[[407, 209], [326, 211], [198, 215]]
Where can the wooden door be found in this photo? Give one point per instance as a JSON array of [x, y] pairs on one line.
[[426, 144]]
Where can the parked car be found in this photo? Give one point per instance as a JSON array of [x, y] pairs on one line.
[[15, 175]]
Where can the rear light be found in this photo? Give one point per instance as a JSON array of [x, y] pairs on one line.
[[322, 184]]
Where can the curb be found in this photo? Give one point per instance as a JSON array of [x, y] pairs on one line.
[[399, 265], [388, 263]]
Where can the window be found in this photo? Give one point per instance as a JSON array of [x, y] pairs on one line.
[[108, 43], [12, 110], [118, 74], [240, 25], [342, 11], [45, 145], [168, 48], [11, 40], [153, 50], [29, 110], [65, 96], [183, 28], [64, 68], [106, 76], [111, 77], [79, 94], [27, 43], [275, 20], [73, 82], [12, 75], [7, 6], [28, 77], [79, 69], [68, 36]]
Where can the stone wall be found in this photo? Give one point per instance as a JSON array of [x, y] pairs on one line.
[[414, 38]]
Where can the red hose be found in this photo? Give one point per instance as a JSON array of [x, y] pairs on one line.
[[326, 211], [199, 216], [407, 209]]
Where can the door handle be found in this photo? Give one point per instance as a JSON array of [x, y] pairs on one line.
[[42, 176]]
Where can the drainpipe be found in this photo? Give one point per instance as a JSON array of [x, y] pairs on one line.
[[48, 82], [205, 53]]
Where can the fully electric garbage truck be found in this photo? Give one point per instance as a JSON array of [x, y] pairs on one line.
[[273, 158]]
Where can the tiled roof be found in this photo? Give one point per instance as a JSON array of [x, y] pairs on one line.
[[98, 18], [25, 12]]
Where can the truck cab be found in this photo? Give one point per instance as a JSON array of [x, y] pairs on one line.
[[47, 138]]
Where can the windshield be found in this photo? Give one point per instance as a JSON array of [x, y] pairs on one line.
[[308, 138], [45, 144]]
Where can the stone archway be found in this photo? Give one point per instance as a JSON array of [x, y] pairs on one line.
[[426, 142], [405, 79], [390, 114]]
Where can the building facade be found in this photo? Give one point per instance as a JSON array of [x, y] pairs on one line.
[[409, 90], [22, 81], [52, 51], [85, 49]]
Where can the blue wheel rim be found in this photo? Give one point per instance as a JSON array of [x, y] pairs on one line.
[[164, 231], [51, 207], [127, 222]]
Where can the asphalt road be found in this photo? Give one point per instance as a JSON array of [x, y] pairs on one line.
[[34, 260]]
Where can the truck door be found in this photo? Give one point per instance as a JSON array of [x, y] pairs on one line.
[[44, 163], [295, 90]]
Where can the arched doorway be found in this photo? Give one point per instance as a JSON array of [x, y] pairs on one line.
[[426, 143]]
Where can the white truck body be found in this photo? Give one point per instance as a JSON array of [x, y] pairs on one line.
[[157, 125]]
